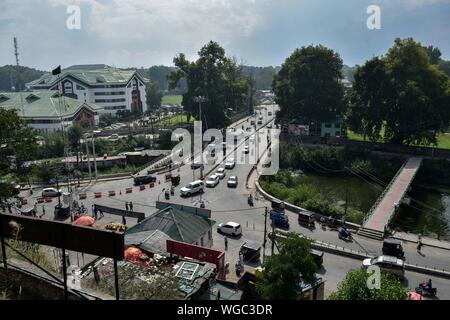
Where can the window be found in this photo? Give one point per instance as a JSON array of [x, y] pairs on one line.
[[109, 100], [118, 93], [201, 241]]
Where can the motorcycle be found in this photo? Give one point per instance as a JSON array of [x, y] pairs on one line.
[[344, 234], [172, 190], [167, 195], [424, 290]]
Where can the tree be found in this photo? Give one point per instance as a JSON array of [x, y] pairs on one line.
[[74, 135], [17, 145], [308, 84], [154, 95], [215, 77], [354, 287], [282, 271], [46, 171], [106, 119], [402, 94], [434, 54]]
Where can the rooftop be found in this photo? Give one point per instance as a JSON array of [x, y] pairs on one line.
[[45, 104], [89, 74]]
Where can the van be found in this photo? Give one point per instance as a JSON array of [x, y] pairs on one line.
[[193, 187]]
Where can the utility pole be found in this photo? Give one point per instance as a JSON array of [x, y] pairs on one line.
[[273, 237], [88, 160], [346, 199], [95, 157], [265, 234]]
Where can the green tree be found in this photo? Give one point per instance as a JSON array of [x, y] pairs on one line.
[[308, 84], [154, 95], [214, 76], [434, 54], [17, 145], [282, 272], [354, 287], [402, 94], [46, 171], [74, 135]]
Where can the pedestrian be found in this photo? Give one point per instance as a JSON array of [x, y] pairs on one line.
[[126, 206], [419, 245], [131, 206], [94, 210], [124, 221], [226, 243], [43, 210], [101, 213]]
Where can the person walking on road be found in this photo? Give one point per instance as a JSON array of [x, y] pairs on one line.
[[126, 205], [124, 221], [419, 245], [226, 243], [131, 206]]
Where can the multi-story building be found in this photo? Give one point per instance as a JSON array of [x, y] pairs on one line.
[[111, 88], [46, 111]]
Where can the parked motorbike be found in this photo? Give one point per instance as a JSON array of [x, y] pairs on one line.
[[425, 290], [172, 190]]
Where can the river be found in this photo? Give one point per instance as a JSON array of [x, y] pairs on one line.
[[428, 212]]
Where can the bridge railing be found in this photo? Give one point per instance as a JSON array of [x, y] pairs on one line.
[[382, 195]]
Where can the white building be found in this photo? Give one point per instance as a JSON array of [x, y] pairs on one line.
[[111, 88], [46, 111]]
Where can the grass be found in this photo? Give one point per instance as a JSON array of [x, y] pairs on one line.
[[443, 139], [174, 120], [172, 99]]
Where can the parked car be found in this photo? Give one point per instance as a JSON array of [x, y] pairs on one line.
[[221, 173], [193, 187], [269, 113], [389, 264], [212, 181], [113, 137], [230, 228], [251, 251], [393, 247], [232, 181], [230, 163], [196, 164], [139, 180], [50, 192], [318, 257]]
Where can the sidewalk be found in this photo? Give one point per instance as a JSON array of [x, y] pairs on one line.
[[410, 237]]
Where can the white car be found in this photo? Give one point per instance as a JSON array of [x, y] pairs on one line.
[[246, 149], [50, 192], [229, 164], [389, 264], [221, 173], [230, 228], [212, 181], [193, 187], [232, 182]]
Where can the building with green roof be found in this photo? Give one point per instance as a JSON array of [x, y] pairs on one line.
[[46, 111], [111, 88]]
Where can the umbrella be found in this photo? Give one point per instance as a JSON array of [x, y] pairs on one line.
[[134, 254], [415, 296], [85, 220]]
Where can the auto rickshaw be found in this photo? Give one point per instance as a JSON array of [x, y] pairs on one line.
[[393, 247], [175, 180], [167, 194]]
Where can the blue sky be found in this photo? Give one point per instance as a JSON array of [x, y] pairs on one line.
[[137, 33]]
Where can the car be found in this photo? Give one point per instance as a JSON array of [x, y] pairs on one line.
[[269, 113], [193, 187], [246, 149], [212, 181], [232, 182], [113, 137], [252, 139], [318, 257], [269, 126], [388, 264], [230, 163], [51, 192], [139, 180], [221, 173], [230, 228], [252, 122], [393, 247], [196, 164]]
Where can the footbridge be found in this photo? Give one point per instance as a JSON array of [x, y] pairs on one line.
[[384, 209]]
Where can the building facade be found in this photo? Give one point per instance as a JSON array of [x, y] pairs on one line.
[[46, 111], [111, 88]]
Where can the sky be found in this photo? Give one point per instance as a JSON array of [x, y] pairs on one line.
[[142, 33]]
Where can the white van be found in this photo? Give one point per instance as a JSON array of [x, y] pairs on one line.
[[193, 187], [230, 228]]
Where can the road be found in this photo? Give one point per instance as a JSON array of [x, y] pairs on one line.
[[229, 204], [336, 267]]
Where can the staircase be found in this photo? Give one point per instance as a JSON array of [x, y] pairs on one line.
[[370, 233]]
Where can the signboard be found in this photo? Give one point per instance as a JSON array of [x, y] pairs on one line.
[[196, 252], [89, 240]]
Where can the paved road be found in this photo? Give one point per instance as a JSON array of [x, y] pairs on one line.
[[336, 267]]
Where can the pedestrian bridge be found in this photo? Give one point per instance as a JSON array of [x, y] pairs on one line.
[[385, 207]]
